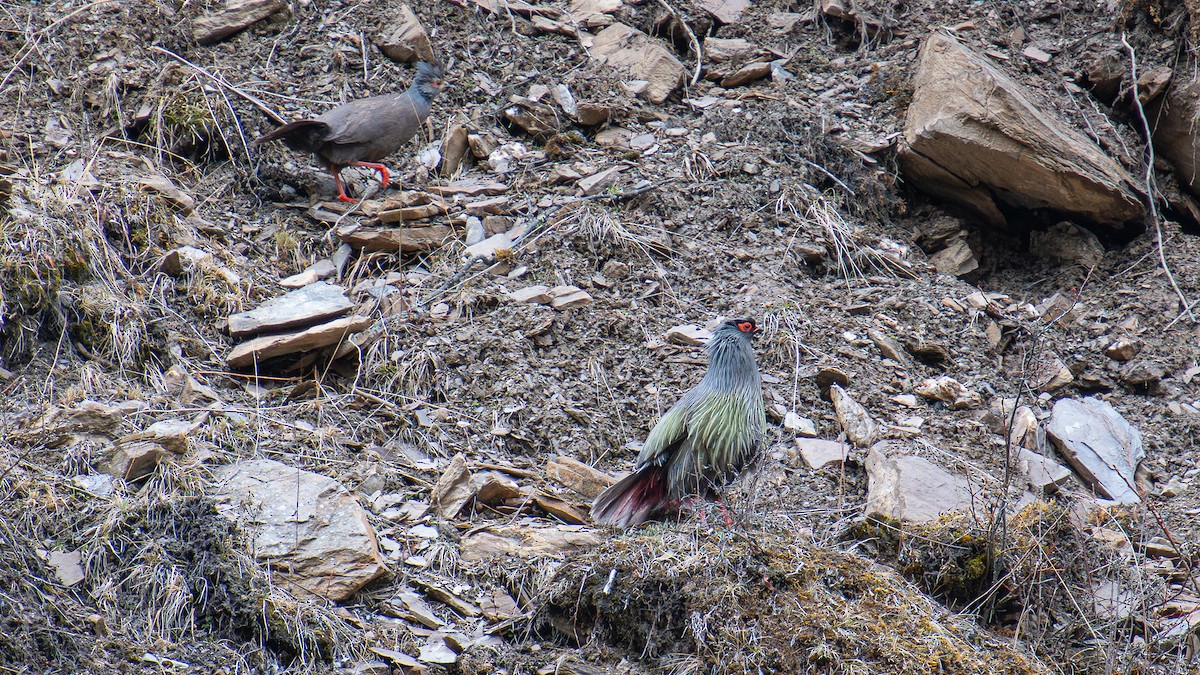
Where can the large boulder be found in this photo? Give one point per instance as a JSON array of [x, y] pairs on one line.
[[307, 526], [973, 137]]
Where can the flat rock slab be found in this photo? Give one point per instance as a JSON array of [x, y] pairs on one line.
[[236, 16], [725, 11], [527, 540], [578, 476], [1045, 475], [1099, 444], [307, 526], [314, 303], [396, 239], [637, 55], [973, 136], [270, 346], [912, 489], [818, 453], [406, 41]]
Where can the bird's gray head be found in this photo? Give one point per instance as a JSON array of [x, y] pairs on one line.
[[736, 329], [429, 79], [731, 357]]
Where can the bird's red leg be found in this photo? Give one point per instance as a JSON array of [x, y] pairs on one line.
[[384, 176], [725, 513], [337, 180]]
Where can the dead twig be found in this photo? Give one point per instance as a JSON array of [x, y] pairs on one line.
[[223, 83], [466, 267], [1148, 178], [691, 37]]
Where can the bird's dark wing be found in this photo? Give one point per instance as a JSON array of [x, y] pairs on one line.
[[301, 135], [389, 120]]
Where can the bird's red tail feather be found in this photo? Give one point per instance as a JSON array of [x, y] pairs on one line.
[[634, 499]]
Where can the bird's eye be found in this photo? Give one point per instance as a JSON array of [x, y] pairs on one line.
[[747, 326]]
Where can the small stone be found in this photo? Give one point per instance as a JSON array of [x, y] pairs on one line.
[[322, 269], [906, 400], [408, 604], [131, 461], [689, 335], [598, 182], [233, 17], [1036, 54], [475, 231], [951, 391], [1123, 349], [888, 347], [453, 489], [615, 269], [499, 606], [1045, 475], [818, 453], [492, 247], [537, 295], [492, 487], [437, 652], [747, 74], [614, 137], [68, 567], [855, 421], [1173, 488], [828, 376], [98, 485], [170, 192], [568, 297], [407, 41], [578, 476]]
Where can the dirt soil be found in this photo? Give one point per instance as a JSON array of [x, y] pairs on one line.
[[729, 206]]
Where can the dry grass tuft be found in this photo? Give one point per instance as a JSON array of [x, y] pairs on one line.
[[728, 602]]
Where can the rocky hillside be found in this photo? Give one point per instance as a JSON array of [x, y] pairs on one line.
[[246, 427]]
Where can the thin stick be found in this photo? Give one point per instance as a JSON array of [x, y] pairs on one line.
[[691, 36], [222, 82], [1149, 179], [466, 267]]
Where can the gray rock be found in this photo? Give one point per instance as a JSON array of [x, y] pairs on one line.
[[633, 54], [854, 419], [1099, 444], [912, 489], [314, 337], [302, 307], [309, 527], [818, 453], [406, 41], [454, 488], [1044, 474], [973, 136]]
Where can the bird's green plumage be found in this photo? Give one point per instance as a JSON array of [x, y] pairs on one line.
[[710, 434], [703, 442]]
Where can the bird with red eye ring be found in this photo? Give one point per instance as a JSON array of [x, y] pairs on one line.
[[703, 443]]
